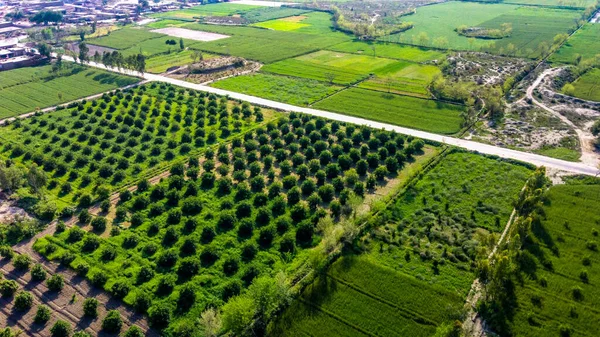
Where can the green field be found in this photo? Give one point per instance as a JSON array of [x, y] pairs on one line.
[[297, 91], [584, 43], [389, 50], [284, 24], [246, 210], [435, 26], [545, 300], [164, 23], [410, 79], [406, 111], [221, 9], [26, 89], [161, 62], [359, 297], [265, 45], [588, 85], [271, 13], [116, 139], [125, 38], [581, 4]]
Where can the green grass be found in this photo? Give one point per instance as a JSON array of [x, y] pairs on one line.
[[271, 13], [531, 26], [389, 50], [164, 23], [26, 89], [588, 85], [561, 153], [571, 218], [285, 24], [410, 79], [427, 115], [220, 9], [125, 38], [264, 45], [161, 62], [580, 4], [297, 91], [360, 297], [584, 43]]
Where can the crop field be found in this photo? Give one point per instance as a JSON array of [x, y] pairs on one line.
[[389, 50], [221, 9], [264, 45], [587, 86], [246, 209], [125, 38], [297, 91], [584, 43], [161, 62], [120, 137], [581, 4], [271, 13], [567, 233], [164, 23], [360, 297], [410, 79], [435, 26], [284, 24], [422, 114], [445, 216], [327, 66], [26, 89]]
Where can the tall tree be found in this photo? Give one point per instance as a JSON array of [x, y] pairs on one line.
[[83, 52], [36, 179]]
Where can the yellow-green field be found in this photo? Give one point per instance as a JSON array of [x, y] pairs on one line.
[[284, 24]]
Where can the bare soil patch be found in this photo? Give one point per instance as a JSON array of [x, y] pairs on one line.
[[190, 34]]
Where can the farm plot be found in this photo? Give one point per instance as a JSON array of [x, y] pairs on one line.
[[219, 9], [333, 67], [271, 14], [264, 45], [246, 210], [27, 89], [587, 86], [531, 27], [580, 4], [121, 137], [434, 229], [389, 50], [125, 38], [363, 298], [161, 62], [584, 43], [561, 292], [296, 91], [164, 23], [409, 79], [406, 111], [284, 24]]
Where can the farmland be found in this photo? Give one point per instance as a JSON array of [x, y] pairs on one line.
[[565, 261], [296, 91], [389, 50], [207, 10], [584, 43], [244, 209], [80, 149], [274, 45], [587, 86], [406, 111], [161, 62], [435, 26], [25, 90], [125, 38]]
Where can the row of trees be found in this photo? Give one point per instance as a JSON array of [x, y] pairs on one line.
[[115, 59]]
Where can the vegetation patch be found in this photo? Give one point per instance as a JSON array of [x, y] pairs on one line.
[[583, 45], [485, 33], [587, 86], [125, 38], [400, 110], [389, 50], [28, 89], [212, 229], [161, 62], [214, 9], [297, 91]]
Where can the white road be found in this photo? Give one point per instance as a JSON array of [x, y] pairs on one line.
[[538, 160]]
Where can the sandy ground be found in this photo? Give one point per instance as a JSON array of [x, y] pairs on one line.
[[190, 34], [9, 212]]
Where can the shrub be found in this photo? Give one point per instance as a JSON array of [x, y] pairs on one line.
[[187, 297], [21, 262], [23, 301], [90, 307], [55, 282], [61, 329], [134, 331], [112, 322], [188, 267], [42, 314], [99, 224], [577, 293], [159, 315], [8, 287], [38, 273], [141, 302], [119, 289]]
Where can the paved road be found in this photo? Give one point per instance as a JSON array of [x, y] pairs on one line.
[[535, 159]]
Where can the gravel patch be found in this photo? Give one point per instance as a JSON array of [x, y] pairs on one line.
[[190, 34]]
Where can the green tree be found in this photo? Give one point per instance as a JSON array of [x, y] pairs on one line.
[[61, 329], [42, 314], [238, 314], [210, 320], [36, 179], [112, 323], [181, 45], [83, 52]]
